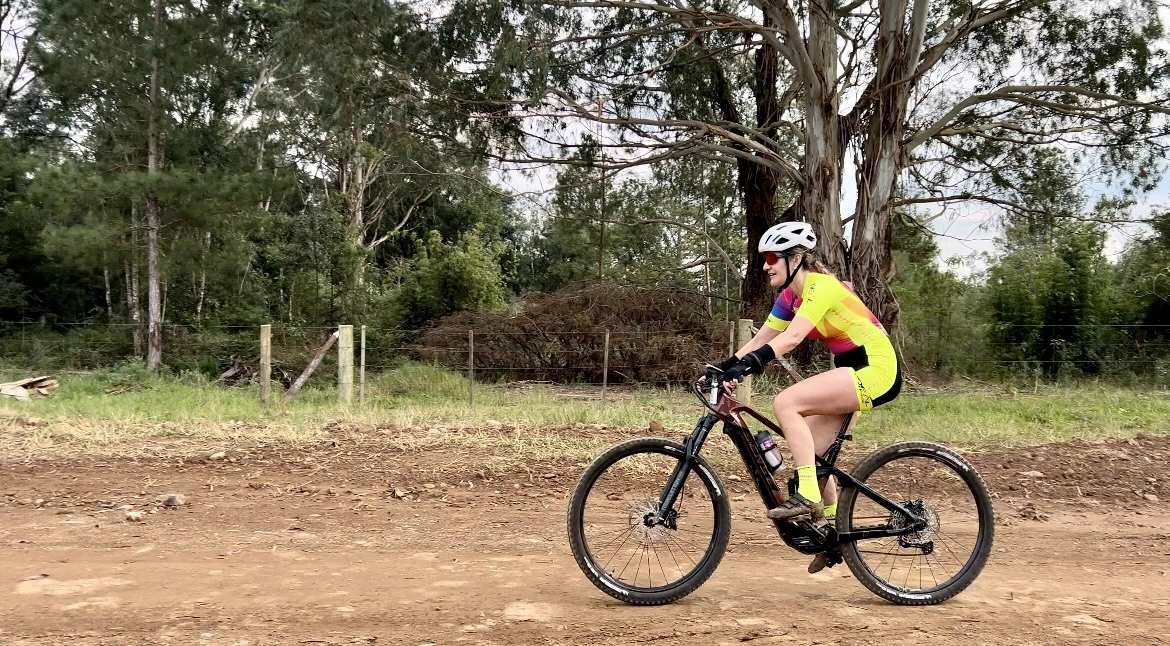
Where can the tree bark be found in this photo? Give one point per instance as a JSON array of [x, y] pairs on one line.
[[757, 183], [820, 201], [109, 300], [132, 302], [883, 157], [153, 278], [202, 289]]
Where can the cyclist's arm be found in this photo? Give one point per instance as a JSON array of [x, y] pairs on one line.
[[784, 342], [820, 293], [765, 335]]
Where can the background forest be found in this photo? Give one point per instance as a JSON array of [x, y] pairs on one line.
[[176, 173]]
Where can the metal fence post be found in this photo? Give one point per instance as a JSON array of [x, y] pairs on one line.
[[345, 364], [362, 372], [265, 363], [471, 368], [605, 369]]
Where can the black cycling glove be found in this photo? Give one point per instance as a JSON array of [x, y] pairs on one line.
[[715, 370], [753, 363]]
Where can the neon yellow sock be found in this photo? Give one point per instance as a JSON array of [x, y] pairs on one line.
[[831, 511], [806, 484]]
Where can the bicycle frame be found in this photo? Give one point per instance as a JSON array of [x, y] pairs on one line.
[[800, 535]]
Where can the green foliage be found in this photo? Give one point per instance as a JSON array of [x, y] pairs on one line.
[[445, 278], [939, 328], [1047, 295]]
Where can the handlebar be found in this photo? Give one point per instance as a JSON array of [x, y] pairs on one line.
[[714, 386]]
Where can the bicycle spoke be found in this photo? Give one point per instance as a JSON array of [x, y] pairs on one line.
[[619, 539], [931, 488]]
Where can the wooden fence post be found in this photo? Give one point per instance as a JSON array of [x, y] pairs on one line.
[[309, 370], [743, 335], [345, 364], [265, 363], [362, 372], [471, 368]]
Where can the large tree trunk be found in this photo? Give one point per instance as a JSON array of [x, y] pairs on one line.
[[820, 201], [153, 277], [883, 157], [757, 183]]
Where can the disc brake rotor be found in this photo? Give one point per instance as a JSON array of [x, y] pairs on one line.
[[645, 526]]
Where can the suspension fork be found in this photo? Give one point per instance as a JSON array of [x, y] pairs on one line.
[[692, 446]]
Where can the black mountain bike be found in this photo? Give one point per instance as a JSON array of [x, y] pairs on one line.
[[649, 519]]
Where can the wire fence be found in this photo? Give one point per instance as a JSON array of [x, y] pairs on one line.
[[596, 357]]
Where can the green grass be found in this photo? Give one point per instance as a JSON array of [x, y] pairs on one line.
[[126, 405]]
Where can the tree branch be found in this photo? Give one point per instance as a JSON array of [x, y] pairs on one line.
[[1020, 94]]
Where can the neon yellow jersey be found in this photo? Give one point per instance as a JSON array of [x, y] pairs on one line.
[[838, 315]]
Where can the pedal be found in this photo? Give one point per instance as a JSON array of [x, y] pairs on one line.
[[834, 557]]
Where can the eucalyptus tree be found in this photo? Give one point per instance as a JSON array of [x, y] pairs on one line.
[[356, 92], [932, 97]]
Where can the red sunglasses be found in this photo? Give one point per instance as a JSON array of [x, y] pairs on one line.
[[771, 257]]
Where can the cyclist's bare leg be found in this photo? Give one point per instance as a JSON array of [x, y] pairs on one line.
[[824, 431], [830, 393]]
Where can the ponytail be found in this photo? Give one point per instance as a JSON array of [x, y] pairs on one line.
[[814, 264]]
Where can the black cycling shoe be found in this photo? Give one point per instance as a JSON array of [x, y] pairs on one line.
[[798, 507], [823, 560]]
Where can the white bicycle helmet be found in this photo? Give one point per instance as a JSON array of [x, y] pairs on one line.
[[788, 237]]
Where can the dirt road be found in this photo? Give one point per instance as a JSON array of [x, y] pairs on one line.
[[318, 546]]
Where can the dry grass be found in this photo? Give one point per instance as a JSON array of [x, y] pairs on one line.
[[420, 408]]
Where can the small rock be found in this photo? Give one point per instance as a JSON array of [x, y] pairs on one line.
[[549, 476], [126, 507], [656, 426], [39, 502], [1030, 512], [492, 422], [1032, 474], [399, 494], [172, 500], [429, 485], [135, 516], [1150, 497], [218, 455]]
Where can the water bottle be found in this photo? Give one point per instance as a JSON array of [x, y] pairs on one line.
[[771, 452]]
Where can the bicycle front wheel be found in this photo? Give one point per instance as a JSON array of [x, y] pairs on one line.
[[937, 562], [618, 543]]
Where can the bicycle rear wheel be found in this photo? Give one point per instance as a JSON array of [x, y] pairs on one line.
[[615, 540], [936, 563]]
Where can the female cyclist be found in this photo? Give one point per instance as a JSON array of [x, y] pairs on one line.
[[814, 304]]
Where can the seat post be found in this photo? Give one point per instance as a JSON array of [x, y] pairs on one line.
[[842, 435]]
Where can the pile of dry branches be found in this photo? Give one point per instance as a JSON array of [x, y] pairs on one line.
[[656, 336]]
